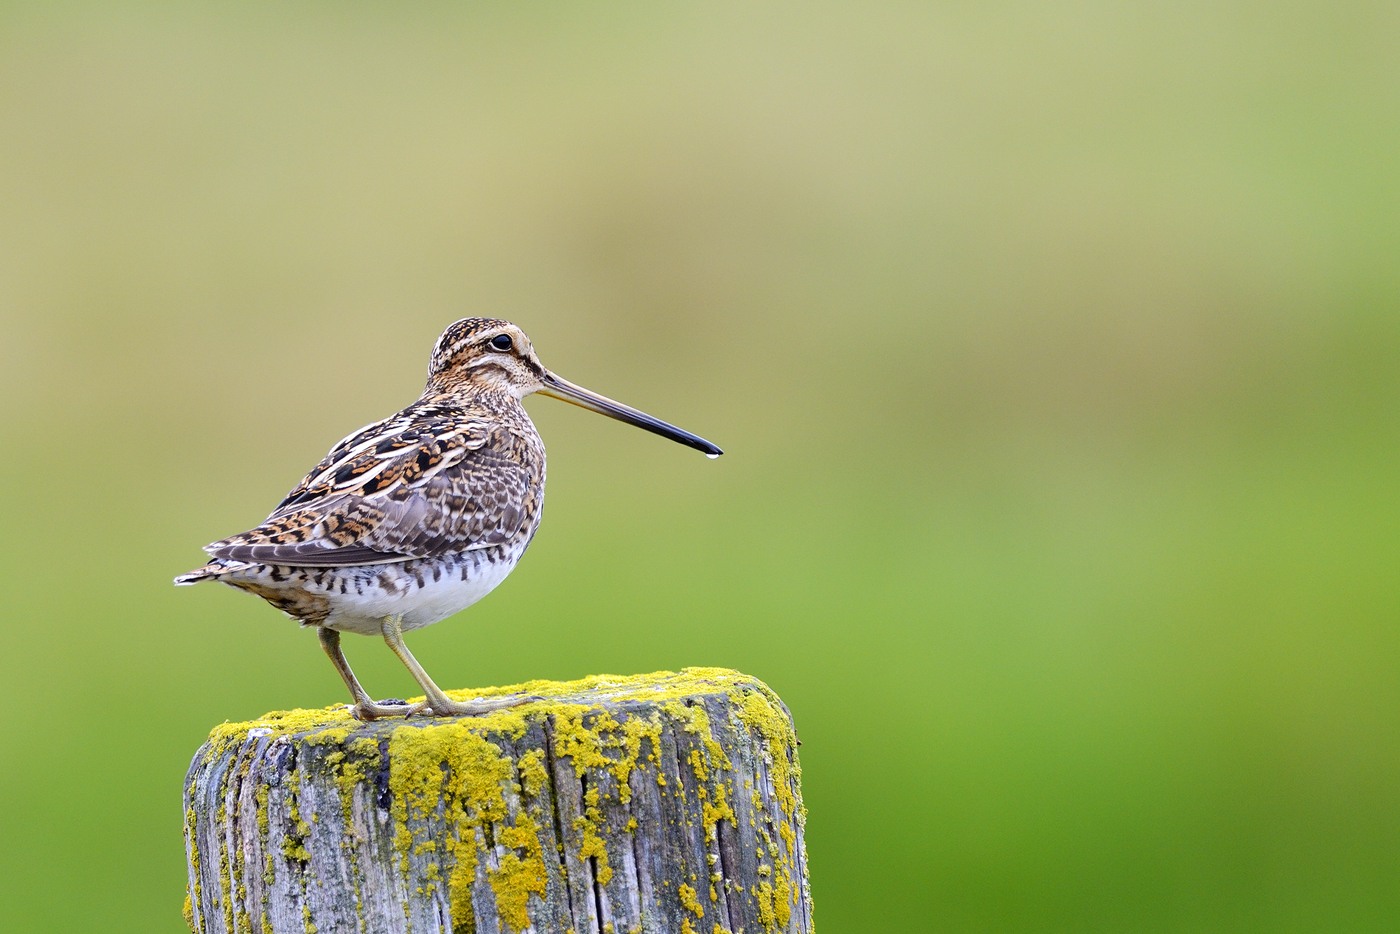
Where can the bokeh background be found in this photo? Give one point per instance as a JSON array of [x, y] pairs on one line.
[[1054, 349]]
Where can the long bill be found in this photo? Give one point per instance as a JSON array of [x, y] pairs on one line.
[[560, 388]]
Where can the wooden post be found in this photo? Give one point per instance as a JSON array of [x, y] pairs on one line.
[[665, 803]]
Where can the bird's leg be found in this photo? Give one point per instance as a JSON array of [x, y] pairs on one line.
[[437, 701], [364, 708]]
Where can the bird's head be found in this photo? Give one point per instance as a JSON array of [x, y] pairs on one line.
[[485, 355], [488, 355]]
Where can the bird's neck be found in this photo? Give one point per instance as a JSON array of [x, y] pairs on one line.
[[471, 401]]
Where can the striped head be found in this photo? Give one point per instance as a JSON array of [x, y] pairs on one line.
[[485, 355]]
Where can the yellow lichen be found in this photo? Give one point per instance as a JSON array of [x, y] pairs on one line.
[[225, 880], [768, 720], [512, 884], [475, 768], [582, 743], [690, 901], [712, 812], [192, 840], [695, 719], [294, 843], [453, 765], [789, 836], [459, 882], [634, 730], [782, 900], [658, 687], [260, 796], [519, 876], [533, 775], [593, 846], [763, 892], [697, 765], [450, 774], [763, 713]]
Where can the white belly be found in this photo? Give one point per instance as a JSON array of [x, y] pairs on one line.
[[392, 591]]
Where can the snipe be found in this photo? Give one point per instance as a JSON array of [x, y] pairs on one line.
[[420, 515]]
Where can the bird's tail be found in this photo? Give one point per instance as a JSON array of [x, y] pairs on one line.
[[209, 572]]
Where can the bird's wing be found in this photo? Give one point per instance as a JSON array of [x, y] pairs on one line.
[[412, 486]]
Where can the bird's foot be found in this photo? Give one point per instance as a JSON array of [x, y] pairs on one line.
[[444, 707], [369, 710]]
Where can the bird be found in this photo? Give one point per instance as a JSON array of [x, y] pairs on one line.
[[417, 516]]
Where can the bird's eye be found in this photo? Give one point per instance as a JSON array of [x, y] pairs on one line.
[[502, 342]]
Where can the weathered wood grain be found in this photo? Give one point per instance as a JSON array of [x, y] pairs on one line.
[[666, 803]]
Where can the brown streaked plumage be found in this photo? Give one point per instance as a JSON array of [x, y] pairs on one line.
[[415, 517]]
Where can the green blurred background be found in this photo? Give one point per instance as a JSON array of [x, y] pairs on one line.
[[1054, 349]]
